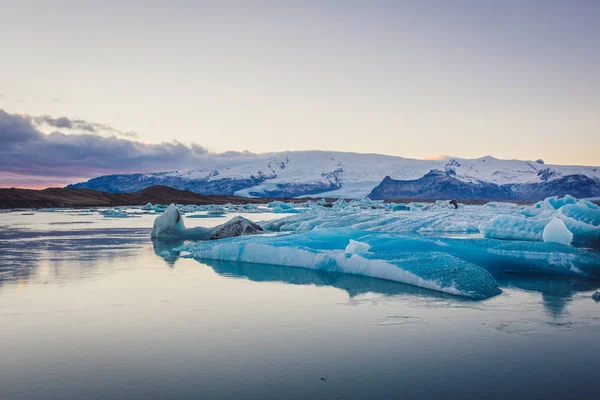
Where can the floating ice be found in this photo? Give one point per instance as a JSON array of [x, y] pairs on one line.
[[279, 207], [204, 216], [431, 245], [325, 250], [581, 218], [514, 227], [170, 226], [116, 213], [148, 207], [215, 210], [596, 296], [463, 220], [556, 232], [355, 247]]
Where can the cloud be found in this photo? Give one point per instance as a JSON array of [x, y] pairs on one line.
[[77, 125], [26, 151]]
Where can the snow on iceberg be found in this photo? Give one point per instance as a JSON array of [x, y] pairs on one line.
[[325, 250]]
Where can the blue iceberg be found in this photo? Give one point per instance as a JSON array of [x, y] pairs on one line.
[[325, 250], [458, 251]]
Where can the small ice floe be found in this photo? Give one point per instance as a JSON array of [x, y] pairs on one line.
[[355, 247], [115, 213]]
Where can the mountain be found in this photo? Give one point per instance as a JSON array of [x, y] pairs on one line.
[[442, 184], [338, 174]]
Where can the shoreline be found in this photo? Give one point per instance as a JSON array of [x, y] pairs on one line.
[[21, 199]]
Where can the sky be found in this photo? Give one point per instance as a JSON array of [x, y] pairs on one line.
[[152, 83]]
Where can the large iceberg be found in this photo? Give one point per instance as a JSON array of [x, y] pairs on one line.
[[325, 250], [431, 245], [562, 220], [495, 221]]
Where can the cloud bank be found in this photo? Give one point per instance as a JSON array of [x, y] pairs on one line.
[[78, 125], [26, 151]]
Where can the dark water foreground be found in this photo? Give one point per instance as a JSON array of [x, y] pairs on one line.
[[92, 312]]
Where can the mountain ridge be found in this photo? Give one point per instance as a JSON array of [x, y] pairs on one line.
[[339, 174]]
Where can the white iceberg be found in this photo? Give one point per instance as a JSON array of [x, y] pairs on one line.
[[556, 232]]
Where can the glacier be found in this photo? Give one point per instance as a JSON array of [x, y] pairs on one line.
[[353, 175], [430, 245]]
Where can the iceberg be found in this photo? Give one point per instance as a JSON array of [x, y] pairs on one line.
[[514, 227], [355, 247], [563, 220], [116, 213], [279, 207], [457, 251], [324, 250], [556, 232], [170, 226]]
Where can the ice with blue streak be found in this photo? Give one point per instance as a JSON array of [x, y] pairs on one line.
[[431, 245], [325, 249]]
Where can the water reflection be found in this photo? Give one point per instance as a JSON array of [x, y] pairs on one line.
[[75, 254], [557, 292], [65, 253]]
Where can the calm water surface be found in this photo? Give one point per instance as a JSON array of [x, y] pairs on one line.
[[88, 310]]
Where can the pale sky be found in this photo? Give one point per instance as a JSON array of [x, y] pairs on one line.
[[512, 79]]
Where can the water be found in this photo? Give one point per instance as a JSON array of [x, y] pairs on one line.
[[89, 310]]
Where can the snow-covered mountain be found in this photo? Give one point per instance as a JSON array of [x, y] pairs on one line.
[[338, 174]]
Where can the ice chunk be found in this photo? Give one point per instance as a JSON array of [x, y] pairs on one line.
[[557, 202], [279, 207], [355, 247], [513, 227], [148, 207], [511, 222], [115, 213], [325, 250], [170, 226], [236, 226], [204, 216], [596, 296], [556, 232], [215, 210], [464, 220], [580, 218], [400, 207]]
